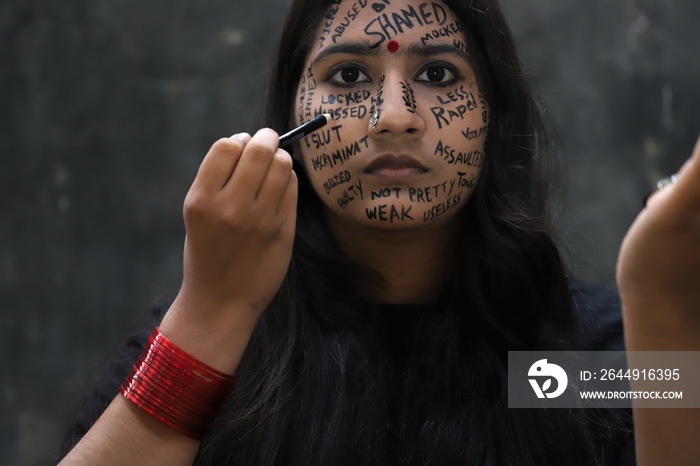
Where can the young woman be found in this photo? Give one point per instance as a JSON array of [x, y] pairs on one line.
[[366, 286]]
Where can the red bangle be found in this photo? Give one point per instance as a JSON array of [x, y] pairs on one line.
[[176, 388]]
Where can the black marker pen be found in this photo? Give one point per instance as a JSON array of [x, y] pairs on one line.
[[307, 128]]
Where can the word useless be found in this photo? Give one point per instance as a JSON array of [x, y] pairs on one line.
[[442, 208]]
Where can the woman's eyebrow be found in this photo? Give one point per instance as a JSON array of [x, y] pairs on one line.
[[421, 50], [366, 49], [349, 48]]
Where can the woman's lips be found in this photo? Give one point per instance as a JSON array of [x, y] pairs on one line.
[[392, 166]]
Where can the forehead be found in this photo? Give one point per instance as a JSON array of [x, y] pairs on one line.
[[376, 23]]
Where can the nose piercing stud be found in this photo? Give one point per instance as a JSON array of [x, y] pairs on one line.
[[373, 121]]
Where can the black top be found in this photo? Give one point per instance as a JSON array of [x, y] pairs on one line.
[[599, 312]]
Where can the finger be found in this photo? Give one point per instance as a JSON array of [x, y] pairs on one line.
[[691, 167], [276, 181], [288, 204], [219, 163], [253, 165], [686, 184], [686, 191]]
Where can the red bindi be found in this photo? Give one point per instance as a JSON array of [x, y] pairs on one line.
[[392, 46]]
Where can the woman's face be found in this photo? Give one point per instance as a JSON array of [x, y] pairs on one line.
[[407, 63]]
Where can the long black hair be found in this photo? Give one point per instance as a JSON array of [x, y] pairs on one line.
[[329, 378]]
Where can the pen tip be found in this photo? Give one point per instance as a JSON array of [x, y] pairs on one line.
[[328, 117]]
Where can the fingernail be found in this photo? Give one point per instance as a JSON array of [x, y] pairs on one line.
[[667, 181], [661, 184], [242, 137]]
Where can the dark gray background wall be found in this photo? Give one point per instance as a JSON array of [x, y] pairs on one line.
[[107, 107]]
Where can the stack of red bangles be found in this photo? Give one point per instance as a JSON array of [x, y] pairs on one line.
[[176, 388]]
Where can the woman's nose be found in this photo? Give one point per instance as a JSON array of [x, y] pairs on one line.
[[397, 110]]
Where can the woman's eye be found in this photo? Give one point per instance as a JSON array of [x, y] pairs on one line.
[[436, 74], [349, 75]]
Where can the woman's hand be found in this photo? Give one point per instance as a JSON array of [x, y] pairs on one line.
[[240, 216], [658, 274], [658, 270]]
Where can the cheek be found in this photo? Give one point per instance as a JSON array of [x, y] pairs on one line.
[[328, 153], [328, 156], [458, 118], [345, 137], [457, 122], [456, 109]]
